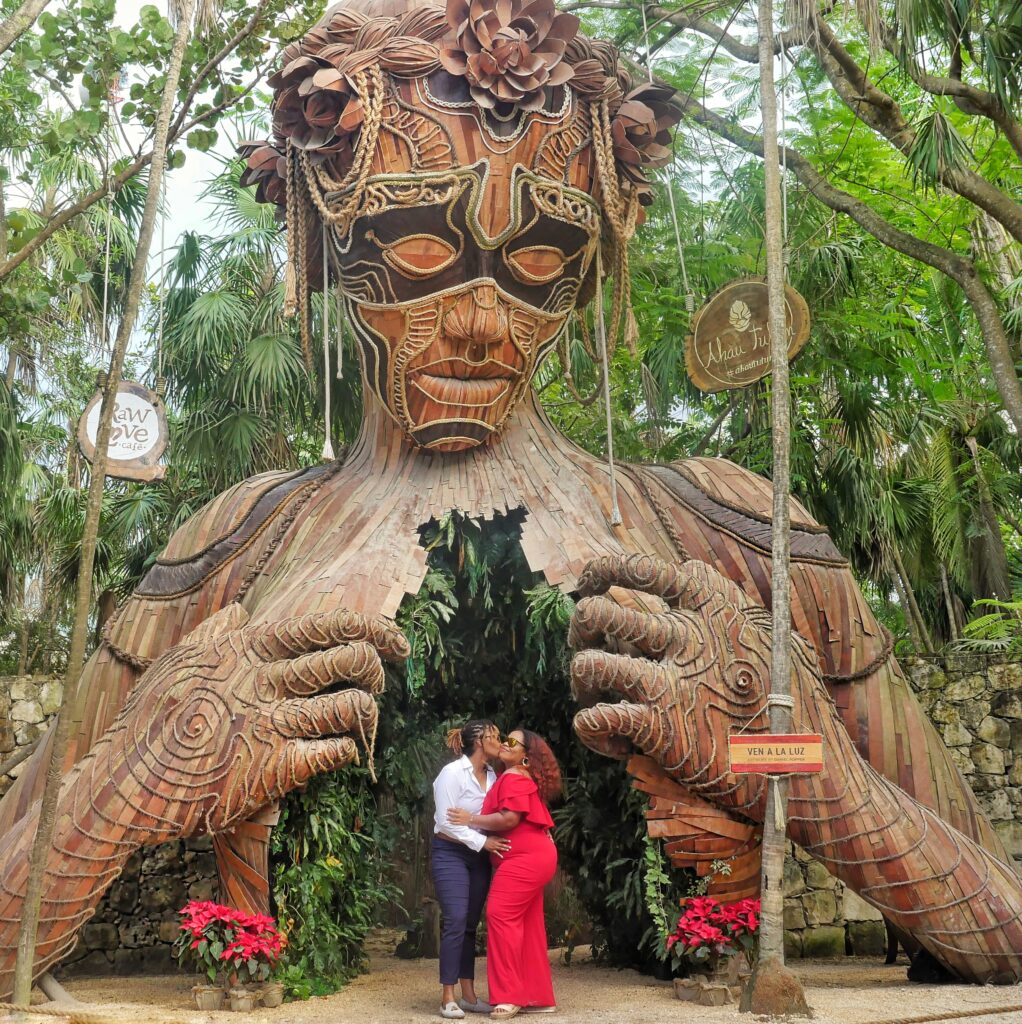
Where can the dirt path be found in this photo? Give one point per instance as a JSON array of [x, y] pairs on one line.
[[399, 991]]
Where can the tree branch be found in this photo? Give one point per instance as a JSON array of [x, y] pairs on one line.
[[20, 22], [878, 111], [114, 185], [959, 269]]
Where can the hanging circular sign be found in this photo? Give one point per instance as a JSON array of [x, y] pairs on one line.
[[138, 434], [729, 346]]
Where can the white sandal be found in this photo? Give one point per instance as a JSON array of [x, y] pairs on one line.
[[505, 1011], [451, 1011]]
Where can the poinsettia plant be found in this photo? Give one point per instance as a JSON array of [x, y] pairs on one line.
[[709, 931], [226, 943]]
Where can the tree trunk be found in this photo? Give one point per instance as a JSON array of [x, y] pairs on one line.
[[44, 833], [948, 603], [996, 576], [917, 624], [772, 989], [20, 22]]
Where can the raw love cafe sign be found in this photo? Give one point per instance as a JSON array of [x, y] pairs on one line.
[[138, 434], [729, 346]]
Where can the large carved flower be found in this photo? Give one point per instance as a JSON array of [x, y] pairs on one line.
[[266, 168], [508, 50], [641, 133]]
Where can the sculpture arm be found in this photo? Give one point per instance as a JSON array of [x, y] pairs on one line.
[[703, 673], [218, 727]]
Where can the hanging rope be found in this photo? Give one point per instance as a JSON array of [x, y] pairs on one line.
[[601, 333], [690, 299], [328, 448], [161, 383]]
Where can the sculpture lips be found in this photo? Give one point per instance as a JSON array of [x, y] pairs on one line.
[[460, 391], [458, 368]]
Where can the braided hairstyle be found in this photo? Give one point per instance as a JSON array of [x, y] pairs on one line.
[[468, 737], [543, 766]]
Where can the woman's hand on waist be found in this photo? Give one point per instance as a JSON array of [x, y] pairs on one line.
[[497, 845], [459, 816]]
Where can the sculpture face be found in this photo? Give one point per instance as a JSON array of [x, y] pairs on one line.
[[463, 259]]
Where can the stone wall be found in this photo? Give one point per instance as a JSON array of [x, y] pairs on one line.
[[976, 704], [26, 705]]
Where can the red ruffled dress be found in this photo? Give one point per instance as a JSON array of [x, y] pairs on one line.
[[517, 966]]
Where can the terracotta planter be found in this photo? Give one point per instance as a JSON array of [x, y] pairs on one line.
[[243, 1000], [273, 994], [208, 997]]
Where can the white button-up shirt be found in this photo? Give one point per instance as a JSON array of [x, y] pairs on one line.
[[457, 786]]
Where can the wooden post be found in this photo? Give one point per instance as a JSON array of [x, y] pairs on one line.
[[773, 989]]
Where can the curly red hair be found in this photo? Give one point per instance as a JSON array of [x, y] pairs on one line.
[[543, 766]]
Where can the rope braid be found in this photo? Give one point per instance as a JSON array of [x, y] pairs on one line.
[[621, 214]]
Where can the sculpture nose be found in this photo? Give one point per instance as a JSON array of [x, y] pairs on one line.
[[478, 318]]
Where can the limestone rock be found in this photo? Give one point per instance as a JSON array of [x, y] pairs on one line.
[[137, 933], [28, 711], [794, 915], [1007, 705], [820, 907], [203, 889], [24, 688], [123, 897], [994, 730], [944, 714], [998, 806], [855, 908], [956, 735], [987, 758], [50, 695], [966, 688], [794, 883], [824, 941], [962, 761], [973, 713], [818, 877], [867, 938], [160, 895], [792, 944], [1006, 677]]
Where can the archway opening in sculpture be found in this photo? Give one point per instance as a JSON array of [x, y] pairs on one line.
[[489, 640]]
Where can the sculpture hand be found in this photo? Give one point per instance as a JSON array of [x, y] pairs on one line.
[[235, 716], [223, 723], [702, 671]]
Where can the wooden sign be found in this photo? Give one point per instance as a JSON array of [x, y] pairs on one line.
[[766, 753], [729, 346], [138, 435]]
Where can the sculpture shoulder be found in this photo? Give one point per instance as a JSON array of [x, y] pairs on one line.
[[209, 560], [738, 503]]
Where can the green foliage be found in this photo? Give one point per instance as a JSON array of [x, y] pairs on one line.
[[328, 862], [998, 632]]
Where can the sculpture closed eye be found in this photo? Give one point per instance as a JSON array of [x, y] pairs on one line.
[[536, 264], [420, 255]]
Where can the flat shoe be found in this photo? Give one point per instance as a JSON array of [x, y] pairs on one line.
[[504, 1011], [479, 1006], [451, 1011]]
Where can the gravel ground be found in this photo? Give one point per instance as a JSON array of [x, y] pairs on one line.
[[398, 991]]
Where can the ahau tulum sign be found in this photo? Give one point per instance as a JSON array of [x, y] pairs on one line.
[[770, 753], [729, 346], [138, 434]]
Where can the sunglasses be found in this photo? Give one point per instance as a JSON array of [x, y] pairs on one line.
[[511, 742]]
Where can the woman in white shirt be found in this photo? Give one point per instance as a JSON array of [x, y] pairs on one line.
[[460, 861]]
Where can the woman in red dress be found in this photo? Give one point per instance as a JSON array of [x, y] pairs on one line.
[[517, 966]]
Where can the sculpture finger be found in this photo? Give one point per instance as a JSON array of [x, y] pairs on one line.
[[597, 619], [326, 715], [319, 630], [594, 673], [698, 587], [645, 573], [357, 663], [614, 729], [314, 757]]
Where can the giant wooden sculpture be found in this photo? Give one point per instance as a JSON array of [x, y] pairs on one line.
[[472, 171]]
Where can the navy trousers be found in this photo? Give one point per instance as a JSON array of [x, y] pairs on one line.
[[461, 878]]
